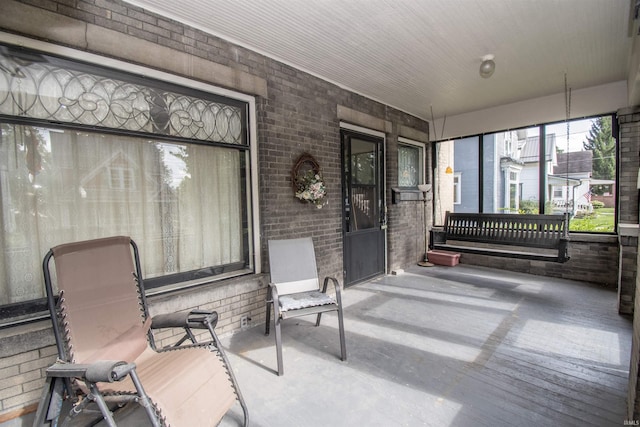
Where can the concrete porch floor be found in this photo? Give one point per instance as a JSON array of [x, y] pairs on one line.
[[445, 346]]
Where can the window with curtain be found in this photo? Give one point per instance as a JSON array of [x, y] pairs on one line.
[[163, 164], [410, 164]]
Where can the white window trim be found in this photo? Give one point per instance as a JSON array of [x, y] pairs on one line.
[[104, 61], [119, 175], [457, 189]]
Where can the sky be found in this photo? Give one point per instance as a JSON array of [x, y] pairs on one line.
[[578, 130]]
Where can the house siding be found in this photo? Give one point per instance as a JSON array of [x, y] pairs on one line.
[[466, 157]]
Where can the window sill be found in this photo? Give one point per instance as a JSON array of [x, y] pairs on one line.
[[204, 293], [26, 337], [190, 284]]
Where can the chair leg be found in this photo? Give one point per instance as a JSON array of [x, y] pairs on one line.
[[44, 412], [232, 377], [267, 322], [223, 355], [96, 396], [144, 400], [279, 346], [318, 319], [343, 344]]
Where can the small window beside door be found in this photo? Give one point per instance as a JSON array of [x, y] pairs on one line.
[[410, 164]]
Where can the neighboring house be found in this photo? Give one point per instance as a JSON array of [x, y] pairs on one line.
[[530, 156], [570, 183], [465, 175], [606, 192], [511, 170]]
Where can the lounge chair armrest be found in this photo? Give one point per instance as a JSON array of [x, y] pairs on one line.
[[108, 371], [195, 319], [101, 371]]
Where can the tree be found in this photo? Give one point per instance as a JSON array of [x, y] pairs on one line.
[[603, 146]]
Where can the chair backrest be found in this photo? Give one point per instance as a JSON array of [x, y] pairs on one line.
[[292, 264], [103, 315]]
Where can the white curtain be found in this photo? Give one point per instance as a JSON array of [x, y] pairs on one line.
[[408, 166], [180, 202]]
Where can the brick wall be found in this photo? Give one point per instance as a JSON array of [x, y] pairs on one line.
[[633, 391], [406, 232], [594, 259], [629, 140], [25, 353], [629, 291], [295, 112], [629, 122], [627, 273], [242, 296]]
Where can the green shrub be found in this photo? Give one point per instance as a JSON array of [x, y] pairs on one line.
[[597, 204], [596, 222], [528, 207]]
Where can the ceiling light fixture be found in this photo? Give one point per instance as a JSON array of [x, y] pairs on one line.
[[487, 67]]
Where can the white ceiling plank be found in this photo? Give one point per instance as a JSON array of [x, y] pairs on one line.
[[413, 54]]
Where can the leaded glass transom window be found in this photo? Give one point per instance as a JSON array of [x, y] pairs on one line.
[[410, 165], [38, 86]]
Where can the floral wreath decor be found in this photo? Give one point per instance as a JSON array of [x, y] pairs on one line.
[[306, 180]]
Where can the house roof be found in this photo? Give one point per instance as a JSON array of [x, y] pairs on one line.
[[531, 150], [575, 162], [562, 180]]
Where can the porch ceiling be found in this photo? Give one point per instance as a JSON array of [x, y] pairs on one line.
[[415, 55]]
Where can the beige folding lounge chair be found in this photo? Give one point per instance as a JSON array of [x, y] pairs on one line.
[[107, 355], [295, 290]]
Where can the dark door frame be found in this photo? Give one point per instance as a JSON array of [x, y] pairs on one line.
[[369, 135]]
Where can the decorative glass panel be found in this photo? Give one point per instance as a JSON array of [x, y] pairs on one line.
[[42, 87], [409, 162]]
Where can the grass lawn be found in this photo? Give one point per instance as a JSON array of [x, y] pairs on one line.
[[601, 220]]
